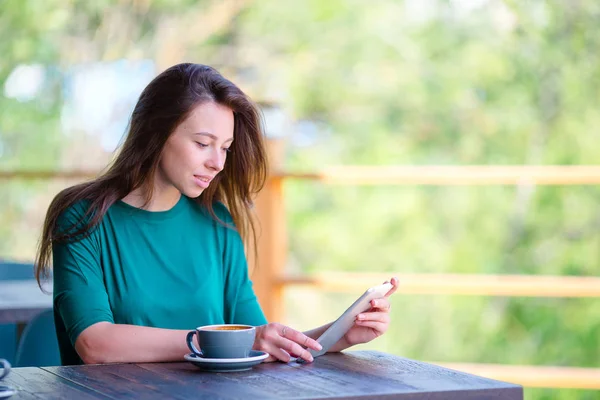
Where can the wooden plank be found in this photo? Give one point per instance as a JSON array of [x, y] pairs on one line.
[[457, 284], [352, 375], [455, 175], [48, 175], [190, 382], [20, 301], [35, 383], [131, 381], [534, 376], [19, 315], [272, 242]]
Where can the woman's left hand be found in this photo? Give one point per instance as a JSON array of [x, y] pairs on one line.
[[372, 323]]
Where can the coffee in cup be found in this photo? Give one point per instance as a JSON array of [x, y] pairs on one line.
[[222, 341], [226, 328]]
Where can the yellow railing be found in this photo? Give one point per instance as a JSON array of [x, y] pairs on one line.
[[457, 284], [270, 279], [454, 175], [538, 376]]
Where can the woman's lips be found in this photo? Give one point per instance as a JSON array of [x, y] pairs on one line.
[[202, 181]]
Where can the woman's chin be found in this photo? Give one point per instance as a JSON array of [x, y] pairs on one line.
[[193, 192]]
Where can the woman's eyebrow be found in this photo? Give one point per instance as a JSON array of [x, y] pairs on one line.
[[210, 135]]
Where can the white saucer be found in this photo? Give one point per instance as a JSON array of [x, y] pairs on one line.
[[227, 364], [7, 391]]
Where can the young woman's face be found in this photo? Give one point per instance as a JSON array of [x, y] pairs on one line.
[[196, 151]]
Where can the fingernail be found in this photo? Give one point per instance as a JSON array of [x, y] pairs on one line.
[[319, 347], [360, 316]]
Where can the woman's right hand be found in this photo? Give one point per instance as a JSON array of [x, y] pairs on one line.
[[282, 343]]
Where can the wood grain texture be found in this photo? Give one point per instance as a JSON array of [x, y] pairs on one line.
[[35, 383], [351, 375]]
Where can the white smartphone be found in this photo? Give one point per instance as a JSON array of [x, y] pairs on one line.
[[341, 325]]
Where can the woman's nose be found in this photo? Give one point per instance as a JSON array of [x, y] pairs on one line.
[[217, 161]]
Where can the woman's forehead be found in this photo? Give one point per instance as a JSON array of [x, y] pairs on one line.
[[210, 118]]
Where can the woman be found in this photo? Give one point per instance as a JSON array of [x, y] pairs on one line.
[[153, 247]]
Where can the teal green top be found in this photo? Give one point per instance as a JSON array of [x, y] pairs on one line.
[[175, 269]]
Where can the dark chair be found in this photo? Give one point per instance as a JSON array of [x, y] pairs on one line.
[[38, 346], [11, 271], [8, 342]]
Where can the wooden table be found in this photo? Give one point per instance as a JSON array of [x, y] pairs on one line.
[[349, 375], [20, 301]]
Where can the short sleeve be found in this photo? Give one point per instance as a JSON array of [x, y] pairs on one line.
[[80, 296], [241, 304]]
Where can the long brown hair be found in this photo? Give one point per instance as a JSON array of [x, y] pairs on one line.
[[163, 105]]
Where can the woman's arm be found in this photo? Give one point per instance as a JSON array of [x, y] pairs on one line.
[[82, 302], [105, 342]]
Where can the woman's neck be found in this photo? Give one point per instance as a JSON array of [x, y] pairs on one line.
[[163, 199]]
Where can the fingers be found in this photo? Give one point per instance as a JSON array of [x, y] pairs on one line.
[[381, 304], [292, 342], [395, 282], [300, 338], [377, 326], [281, 341], [382, 317], [294, 348], [279, 354]]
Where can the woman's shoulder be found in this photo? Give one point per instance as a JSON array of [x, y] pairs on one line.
[[74, 217], [222, 212], [219, 210], [75, 211]]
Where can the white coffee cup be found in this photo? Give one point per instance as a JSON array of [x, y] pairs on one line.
[[5, 368]]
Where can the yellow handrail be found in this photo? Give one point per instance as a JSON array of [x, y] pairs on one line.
[[456, 284], [455, 175], [24, 174], [533, 376]]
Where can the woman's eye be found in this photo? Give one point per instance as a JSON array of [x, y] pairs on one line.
[[201, 144], [227, 149]]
